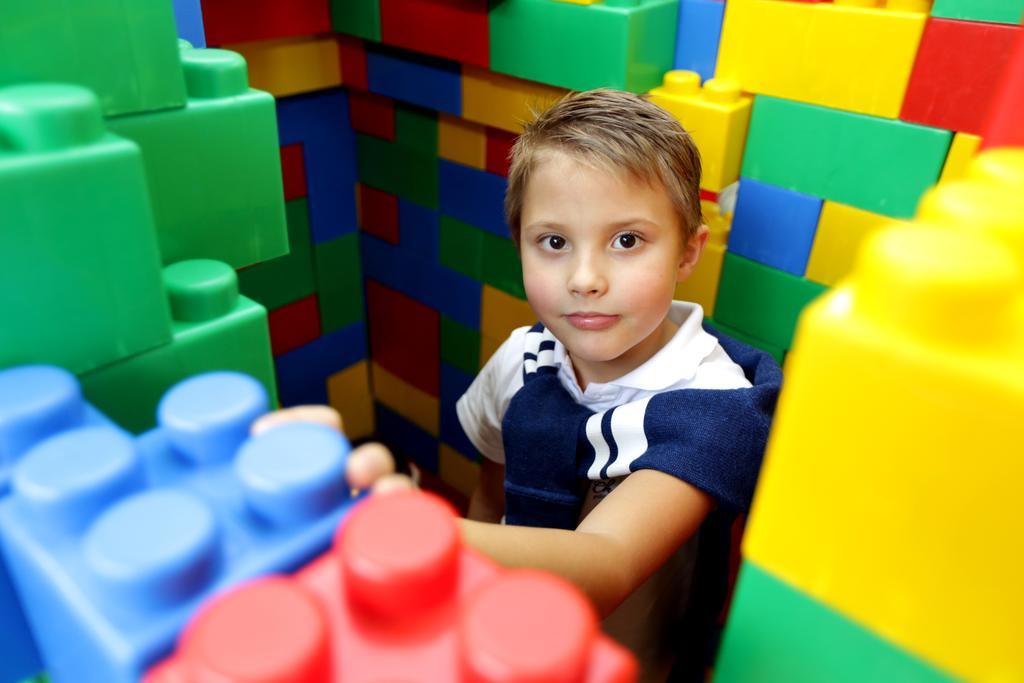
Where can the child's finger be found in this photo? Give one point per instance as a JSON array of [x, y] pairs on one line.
[[393, 482], [324, 415], [368, 464]]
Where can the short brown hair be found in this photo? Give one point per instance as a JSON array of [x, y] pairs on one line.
[[618, 131]]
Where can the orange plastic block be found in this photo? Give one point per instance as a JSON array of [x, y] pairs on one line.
[[457, 470], [292, 65], [399, 599], [503, 101], [412, 403], [348, 392], [702, 285], [461, 141]]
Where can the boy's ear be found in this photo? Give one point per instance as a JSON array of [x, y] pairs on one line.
[[691, 254]]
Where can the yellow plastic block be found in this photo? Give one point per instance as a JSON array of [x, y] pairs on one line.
[[500, 313], [292, 65], [1003, 166], [503, 101], [413, 404], [841, 231], [855, 55], [891, 486], [461, 141], [716, 116], [488, 345], [961, 151], [348, 392], [702, 285], [457, 470]]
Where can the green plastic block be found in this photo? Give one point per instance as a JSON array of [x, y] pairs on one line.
[[416, 128], [287, 278], [80, 279], [461, 248], [460, 346], [357, 17], [502, 268], [214, 329], [880, 165], [126, 52], [761, 301], [624, 44], [776, 633], [777, 352], [398, 169], [339, 282], [1000, 11]]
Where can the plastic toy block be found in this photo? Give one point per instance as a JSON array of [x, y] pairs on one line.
[[293, 172], [1003, 127], [302, 374], [372, 115], [850, 55], [455, 383], [957, 71], [288, 66], [417, 79], [378, 213], [19, 657], [462, 141], [501, 101], [961, 151], [320, 121], [473, 196], [243, 21], [339, 281], [349, 394], [760, 301], [287, 278], [777, 352], [399, 170], [416, 128], [875, 164], [420, 230], [53, 144], [126, 53], [214, 329], [453, 29], [357, 17], [841, 231], [460, 346], [499, 147], [500, 314], [293, 325], [457, 470], [908, 394], [413, 404], [461, 247], [399, 564], [188, 17], [1003, 166], [637, 39], [353, 62], [1002, 11], [776, 633], [702, 285], [502, 268], [700, 30], [406, 439], [394, 318], [774, 226], [113, 542], [212, 167], [716, 116]]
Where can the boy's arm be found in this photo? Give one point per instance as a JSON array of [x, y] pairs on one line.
[[623, 540], [487, 504]]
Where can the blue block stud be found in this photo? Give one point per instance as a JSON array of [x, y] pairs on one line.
[[700, 30], [774, 226]]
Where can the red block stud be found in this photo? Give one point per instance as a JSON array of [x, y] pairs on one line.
[[956, 73], [453, 29], [405, 337], [378, 213], [352, 55], [372, 114], [294, 324], [499, 147], [240, 21], [1005, 121], [293, 171]]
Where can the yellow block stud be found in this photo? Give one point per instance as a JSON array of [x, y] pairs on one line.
[[841, 231], [348, 392], [412, 403], [292, 65], [716, 116], [500, 313], [890, 490], [961, 151], [461, 141], [854, 55], [702, 285], [457, 470], [503, 101], [1003, 166]]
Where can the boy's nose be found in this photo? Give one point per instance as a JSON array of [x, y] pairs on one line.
[[587, 279]]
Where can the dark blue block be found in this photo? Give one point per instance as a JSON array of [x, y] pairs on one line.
[[419, 230], [474, 196], [321, 123], [302, 373], [700, 30], [406, 439], [188, 17], [454, 383], [414, 78], [774, 226]]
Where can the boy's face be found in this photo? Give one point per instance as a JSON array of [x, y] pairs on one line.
[[602, 254]]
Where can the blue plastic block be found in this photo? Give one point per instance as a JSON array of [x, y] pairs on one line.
[[419, 230], [474, 196], [700, 30], [302, 374], [406, 439], [454, 383], [114, 542], [414, 78], [774, 226], [188, 16], [321, 123]]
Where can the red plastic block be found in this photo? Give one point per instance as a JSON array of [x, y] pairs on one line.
[[957, 71], [708, 195], [499, 145], [352, 55], [293, 171], [240, 21], [378, 213], [1005, 126], [405, 337], [372, 114], [454, 29], [293, 325], [399, 599]]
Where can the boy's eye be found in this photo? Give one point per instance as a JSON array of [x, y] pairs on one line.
[[553, 242], [627, 240]]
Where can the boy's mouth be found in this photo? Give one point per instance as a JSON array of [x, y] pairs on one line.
[[587, 320]]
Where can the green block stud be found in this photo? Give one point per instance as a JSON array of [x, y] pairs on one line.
[[213, 166], [624, 44], [80, 281], [339, 282], [357, 17], [999, 11], [287, 278]]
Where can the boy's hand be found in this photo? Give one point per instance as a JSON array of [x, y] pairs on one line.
[[369, 466]]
